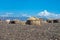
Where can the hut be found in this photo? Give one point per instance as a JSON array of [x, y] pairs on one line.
[[53, 21], [19, 22], [12, 21], [7, 21], [16, 21], [33, 21], [22, 22]]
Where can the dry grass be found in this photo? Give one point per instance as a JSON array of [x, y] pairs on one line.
[[29, 32]]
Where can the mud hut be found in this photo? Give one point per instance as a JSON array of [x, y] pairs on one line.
[[33, 21], [16, 21], [53, 21], [8, 21], [19, 22], [22, 22], [11, 21]]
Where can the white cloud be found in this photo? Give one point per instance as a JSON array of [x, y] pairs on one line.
[[42, 14], [49, 15]]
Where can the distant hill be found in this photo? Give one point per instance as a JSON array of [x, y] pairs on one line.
[[12, 18], [19, 18]]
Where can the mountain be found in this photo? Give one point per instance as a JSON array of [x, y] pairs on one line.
[[48, 15], [12, 18], [43, 14]]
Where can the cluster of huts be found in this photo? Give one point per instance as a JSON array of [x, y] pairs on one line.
[[53, 20], [32, 21]]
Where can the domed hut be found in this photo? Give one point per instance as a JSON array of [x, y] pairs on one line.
[[53, 20], [8, 21], [33, 21], [16, 21], [19, 22], [22, 22], [12, 21]]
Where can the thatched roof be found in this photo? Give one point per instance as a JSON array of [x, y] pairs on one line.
[[8, 20], [33, 18], [16, 20]]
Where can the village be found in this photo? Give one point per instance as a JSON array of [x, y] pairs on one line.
[[31, 29], [30, 21]]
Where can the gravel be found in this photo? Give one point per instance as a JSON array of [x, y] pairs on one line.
[[30, 32]]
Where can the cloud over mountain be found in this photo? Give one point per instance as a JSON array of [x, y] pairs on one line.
[[42, 14], [48, 15]]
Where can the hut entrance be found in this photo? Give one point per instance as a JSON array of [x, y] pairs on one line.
[[12, 22], [55, 21], [49, 21], [28, 22]]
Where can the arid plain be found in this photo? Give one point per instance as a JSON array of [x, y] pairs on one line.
[[30, 32]]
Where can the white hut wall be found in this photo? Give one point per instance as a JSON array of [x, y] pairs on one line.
[[35, 22], [38, 23]]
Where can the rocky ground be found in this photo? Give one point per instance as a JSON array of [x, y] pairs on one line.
[[26, 32]]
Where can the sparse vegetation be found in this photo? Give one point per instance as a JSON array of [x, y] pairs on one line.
[[29, 32]]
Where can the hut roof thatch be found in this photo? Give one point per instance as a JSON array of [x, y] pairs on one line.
[[33, 18]]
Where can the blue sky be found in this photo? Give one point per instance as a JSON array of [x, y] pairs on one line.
[[28, 7]]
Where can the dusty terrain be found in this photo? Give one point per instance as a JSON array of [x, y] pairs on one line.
[[26, 32]]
